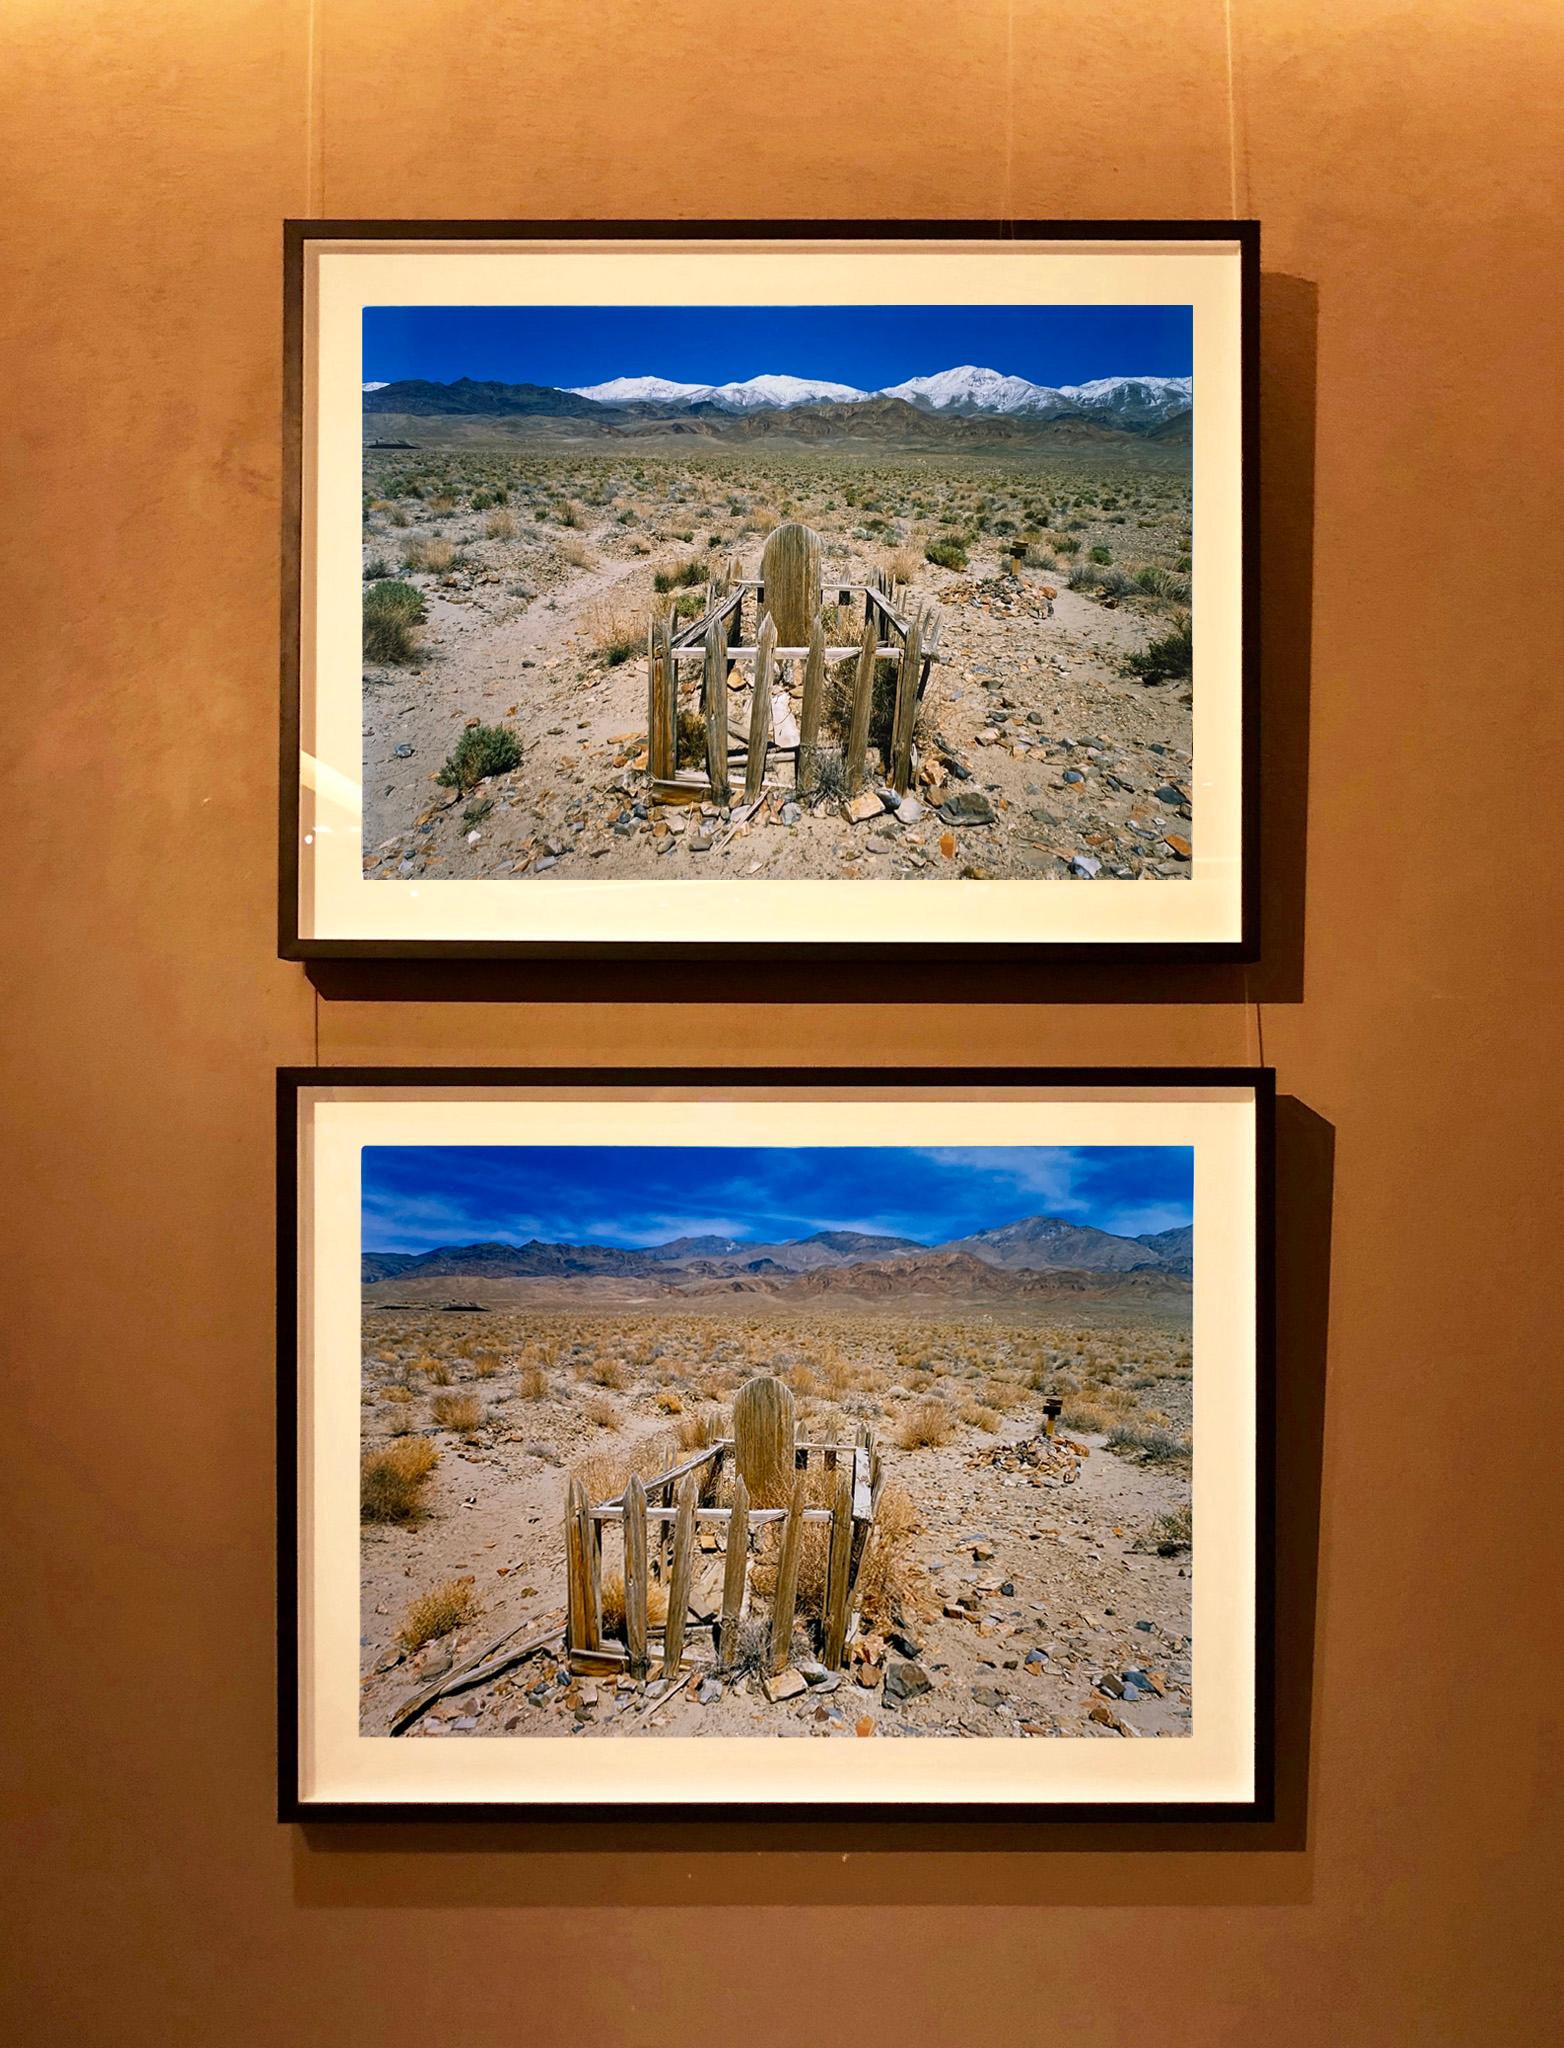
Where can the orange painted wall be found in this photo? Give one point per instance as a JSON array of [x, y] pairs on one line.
[[1404, 160]]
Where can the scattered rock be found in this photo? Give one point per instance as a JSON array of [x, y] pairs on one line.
[[909, 811], [906, 1681], [404, 752], [967, 807], [786, 1685], [860, 809], [1086, 866]]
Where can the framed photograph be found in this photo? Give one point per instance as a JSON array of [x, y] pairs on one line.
[[713, 1442], [703, 588]]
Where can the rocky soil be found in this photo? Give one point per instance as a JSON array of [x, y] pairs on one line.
[[1040, 755]]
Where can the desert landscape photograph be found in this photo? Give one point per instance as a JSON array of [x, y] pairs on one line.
[[832, 1442], [779, 592]]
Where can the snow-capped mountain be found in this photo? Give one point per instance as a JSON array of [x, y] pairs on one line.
[[748, 394], [638, 390], [1139, 398], [754, 392], [376, 387], [973, 390], [970, 389], [961, 392]]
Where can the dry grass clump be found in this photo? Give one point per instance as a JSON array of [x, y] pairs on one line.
[[392, 1480], [1089, 1415], [669, 1402], [532, 1383], [435, 1370], [397, 1393], [891, 1588], [616, 632], [461, 1412], [925, 1426], [486, 1365], [902, 564], [1151, 1442], [614, 1604], [697, 1428], [601, 1412], [430, 554], [437, 1612], [500, 526], [1172, 1532], [976, 1416], [607, 1371], [577, 554]]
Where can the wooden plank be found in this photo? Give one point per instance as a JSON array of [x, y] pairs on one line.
[[735, 1566], [718, 1517], [738, 651], [863, 698], [909, 677], [679, 1583], [585, 1617], [682, 791], [493, 1662], [760, 709], [786, 1596], [764, 1431], [861, 1508], [712, 1454], [790, 579], [714, 703], [814, 691], [635, 1577], [838, 1571], [607, 1658], [725, 609]]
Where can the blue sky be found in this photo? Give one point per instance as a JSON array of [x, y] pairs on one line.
[[417, 1197], [867, 346]]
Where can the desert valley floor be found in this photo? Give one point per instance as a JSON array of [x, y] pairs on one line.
[[1043, 751], [1000, 1601]]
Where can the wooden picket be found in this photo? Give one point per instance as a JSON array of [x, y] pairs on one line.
[[659, 1519]]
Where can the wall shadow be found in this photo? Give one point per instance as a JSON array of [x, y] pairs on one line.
[[568, 1861], [900, 974]]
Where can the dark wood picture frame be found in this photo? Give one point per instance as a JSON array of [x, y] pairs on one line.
[[295, 944], [292, 1807]]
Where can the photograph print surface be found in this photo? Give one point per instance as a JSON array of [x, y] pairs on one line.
[[965, 531], [834, 1442]]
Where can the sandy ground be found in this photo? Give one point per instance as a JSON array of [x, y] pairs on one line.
[[1029, 704], [1021, 1599]]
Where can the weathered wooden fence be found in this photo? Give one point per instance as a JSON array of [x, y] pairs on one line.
[[660, 1517], [785, 605]]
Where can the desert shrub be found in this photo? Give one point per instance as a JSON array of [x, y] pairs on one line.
[[482, 750], [902, 565], [1101, 554], [697, 1428], [891, 1588], [1172, 1532], [684, 577], [393, 612], [1067, 544], [925, 1426], [392, 1480], [607, 1371], [437, 1612], [1162, 583], [614, 1604], [946, 554], [500, 525], [689, 604], [578, 555], [532, 1383], [1089, 1415], [1168, 659], [435, 1370], [976, 1416], [397, 1394], [375, 568], [572, 514], [1151, 1442], [430, 554], [485, 1365], [669, 1402], [690, 739], [617, 633], [601, 1412], [461, 1412]]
